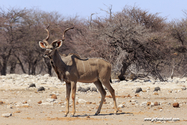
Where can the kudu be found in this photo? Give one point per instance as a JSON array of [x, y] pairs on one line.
[[73, 69]]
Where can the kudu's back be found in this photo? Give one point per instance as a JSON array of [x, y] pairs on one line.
[[88, 70]]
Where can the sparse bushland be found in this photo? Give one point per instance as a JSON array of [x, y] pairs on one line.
[[133, 40]]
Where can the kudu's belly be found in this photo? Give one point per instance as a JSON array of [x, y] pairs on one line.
[[87, 72], [88, 77]]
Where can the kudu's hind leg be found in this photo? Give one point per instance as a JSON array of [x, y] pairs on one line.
[[103, 94], [68, 91], [73, 89], [112, 92]]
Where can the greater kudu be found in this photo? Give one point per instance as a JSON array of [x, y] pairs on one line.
[[73, 69]]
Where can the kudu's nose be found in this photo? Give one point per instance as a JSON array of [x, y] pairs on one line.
[[47, 53]]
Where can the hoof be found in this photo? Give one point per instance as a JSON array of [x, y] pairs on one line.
[[116, 112], [95, 114], [72, 115], [65, 115]]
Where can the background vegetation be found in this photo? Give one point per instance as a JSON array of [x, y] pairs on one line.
[[137, 43]]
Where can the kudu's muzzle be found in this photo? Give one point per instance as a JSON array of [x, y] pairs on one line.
[[47, 53]]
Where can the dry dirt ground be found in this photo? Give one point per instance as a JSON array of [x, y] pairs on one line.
[[29, 107]]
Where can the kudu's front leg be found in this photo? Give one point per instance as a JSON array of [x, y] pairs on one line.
[[68, 91], [73, 89]]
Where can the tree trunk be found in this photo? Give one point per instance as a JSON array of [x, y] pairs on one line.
[[29, 69], [172, 72], [33, 70], [4, 66], [156, 73], [33, 67], [21, 64], [123, 70], [13, 67], [5, 61], [160, 77]]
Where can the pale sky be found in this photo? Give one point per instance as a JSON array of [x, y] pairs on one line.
[[172, 9]]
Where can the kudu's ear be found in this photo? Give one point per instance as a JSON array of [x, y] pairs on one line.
[[57, 44], [42, 45]]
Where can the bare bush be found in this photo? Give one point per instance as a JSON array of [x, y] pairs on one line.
[[133, 40]]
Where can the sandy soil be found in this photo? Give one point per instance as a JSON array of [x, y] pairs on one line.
[[29, 107]]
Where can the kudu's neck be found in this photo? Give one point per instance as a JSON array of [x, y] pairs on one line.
[[58, 63]]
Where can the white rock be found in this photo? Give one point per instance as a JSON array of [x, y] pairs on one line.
[[7, 114], [81, 101], [133, 100], [25, 104], [143, 104], [20, 104], [50, 100], [47, 103], [121, 105], [152, 104], [9, 106], [46, 75], [183, 88]]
